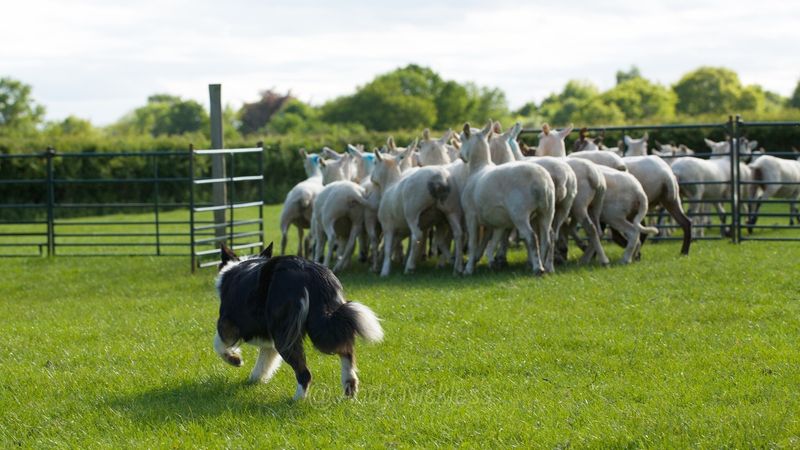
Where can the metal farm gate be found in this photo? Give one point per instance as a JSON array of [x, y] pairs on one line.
[[732, 225], [71, 204]]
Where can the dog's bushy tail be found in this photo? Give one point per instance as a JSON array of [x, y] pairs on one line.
[[336, 332]]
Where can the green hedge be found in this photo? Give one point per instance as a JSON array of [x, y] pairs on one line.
[[283, 166]]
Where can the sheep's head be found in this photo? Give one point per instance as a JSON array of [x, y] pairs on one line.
[[475, 142], [551, 143]]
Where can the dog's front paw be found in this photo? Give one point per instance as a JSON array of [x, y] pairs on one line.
[[351, 387], [234, 359]]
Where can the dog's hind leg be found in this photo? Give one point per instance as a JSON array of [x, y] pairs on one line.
[[349, 377], [296, 357], [267, 364]]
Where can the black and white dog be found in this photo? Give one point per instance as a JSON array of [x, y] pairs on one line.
[[273, 303]]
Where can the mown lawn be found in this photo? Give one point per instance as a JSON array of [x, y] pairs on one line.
[[697, 351]]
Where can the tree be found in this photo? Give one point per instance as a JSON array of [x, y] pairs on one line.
[[71, 126], [255, 116], [794, 100], [558, 109], [19, 113], [638, 99], [630, 74], [708, 90], [165, 114]]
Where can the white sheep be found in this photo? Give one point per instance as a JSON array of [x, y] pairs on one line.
[[594, 151], [513, 195], [586, 205], [413, 202], [774, 178], [551, 142], [624, 207], [434, 152], [297, 207], [709, 180], [337, 219], [661, 187], [635, 147]]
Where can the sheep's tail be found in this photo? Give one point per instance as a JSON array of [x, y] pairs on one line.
[[438, 187], [640, 215]]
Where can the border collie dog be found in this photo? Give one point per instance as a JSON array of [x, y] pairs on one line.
[[273, 303]]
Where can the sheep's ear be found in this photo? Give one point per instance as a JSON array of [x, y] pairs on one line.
[[267, 252], [426, 134], [447, 135], [467, 130], [565, 132], [498, 128], [353, 150], [413, 146], [303, 153], [709, 142], [752, 145], [627, 140], [390, 143], [487, 130], [456, 143], [516, 130], [545, 129], [377, 154], [322, 162], [646, 136], [658, 144]]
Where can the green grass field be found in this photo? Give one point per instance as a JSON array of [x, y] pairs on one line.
[[697, 351]]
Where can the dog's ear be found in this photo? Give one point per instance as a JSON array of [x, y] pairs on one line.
[[267, 252], [226, 256]]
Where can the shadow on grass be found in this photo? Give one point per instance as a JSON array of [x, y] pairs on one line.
[[207, 399]]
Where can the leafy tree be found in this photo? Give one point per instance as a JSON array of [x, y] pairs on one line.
[[559, 109], [638, 99], [794, 100], [164, 114], [709, 90], [597, 112], [255, 116], [71, 126], [19, 113], [630, 74]]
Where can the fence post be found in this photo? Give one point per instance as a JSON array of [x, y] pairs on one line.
[[217, 161], [261, 194], [156, 203], [51, 237], [191, 208], [734, 157]]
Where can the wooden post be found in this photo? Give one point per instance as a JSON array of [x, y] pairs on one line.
[[217, 161]]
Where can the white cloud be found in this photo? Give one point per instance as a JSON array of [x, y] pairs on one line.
[[99, 61]]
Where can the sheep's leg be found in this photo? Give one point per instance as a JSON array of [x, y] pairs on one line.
[[320, 239], [793, 212], [676, 211], [441, 240], [595, 246], [388, 247], [472, 243], [525, 231], [458, 236], [723, 229], [543, 230], [349, 247], [284, 238], [496, 237], [416, 240], [330, 233]]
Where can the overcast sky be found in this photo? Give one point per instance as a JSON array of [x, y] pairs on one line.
[[98, 61]]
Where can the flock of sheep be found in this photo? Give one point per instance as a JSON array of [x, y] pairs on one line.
[[479, 187]]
